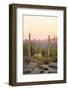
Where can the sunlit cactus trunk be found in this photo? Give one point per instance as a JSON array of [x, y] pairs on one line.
[[54, 40], [49, 46], [29, 47]]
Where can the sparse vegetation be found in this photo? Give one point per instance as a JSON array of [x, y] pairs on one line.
[[39, 56]]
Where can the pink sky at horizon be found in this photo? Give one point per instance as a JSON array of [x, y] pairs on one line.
[[40, 27]]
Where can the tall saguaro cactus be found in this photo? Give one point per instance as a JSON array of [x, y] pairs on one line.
[[49, 46], [29, 47], [54, 39]]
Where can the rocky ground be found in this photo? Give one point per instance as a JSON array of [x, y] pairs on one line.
[[35, 68]]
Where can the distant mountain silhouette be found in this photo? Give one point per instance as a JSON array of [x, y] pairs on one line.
[[43, 43]]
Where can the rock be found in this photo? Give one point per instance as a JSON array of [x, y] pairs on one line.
[[45, 66], [36, 70], [50, 70]]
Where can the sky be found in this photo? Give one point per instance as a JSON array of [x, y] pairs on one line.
[[40, 27]]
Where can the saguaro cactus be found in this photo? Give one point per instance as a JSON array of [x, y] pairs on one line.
[[49, 46], [54, 40], [29, 49]]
